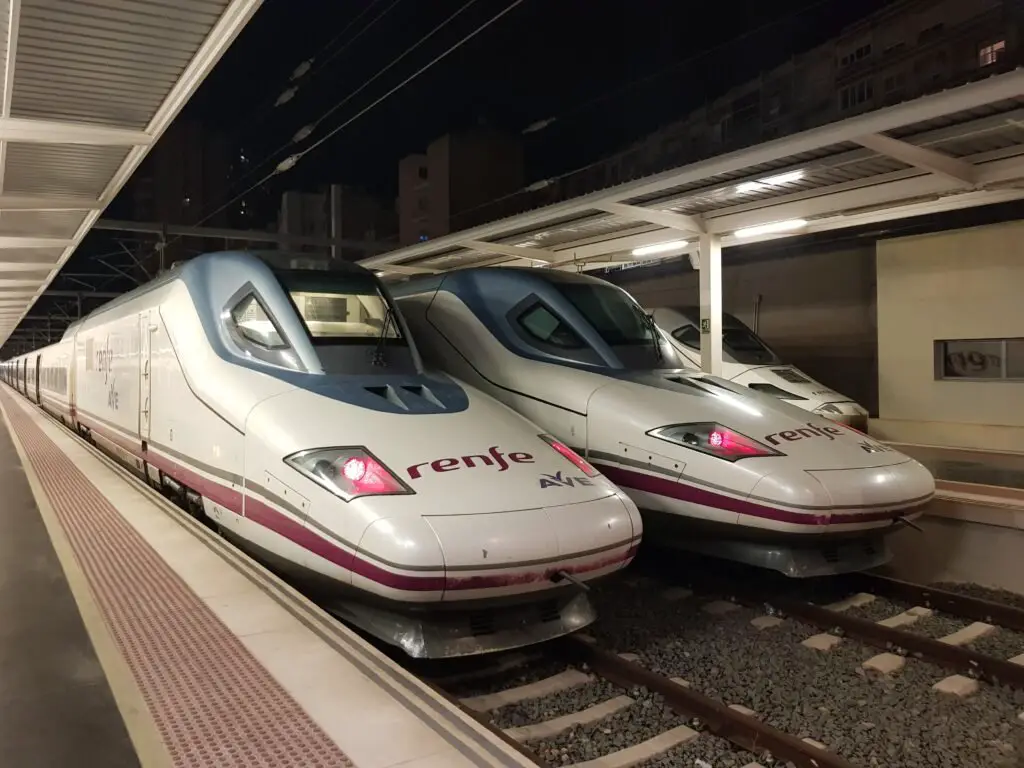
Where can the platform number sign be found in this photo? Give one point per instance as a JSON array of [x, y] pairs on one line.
[[705, 325]]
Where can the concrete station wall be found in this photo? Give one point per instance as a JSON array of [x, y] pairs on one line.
[[817, 310], [962, 284]]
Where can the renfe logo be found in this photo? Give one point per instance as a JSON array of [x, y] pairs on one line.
[[493, 457], [792, 435]]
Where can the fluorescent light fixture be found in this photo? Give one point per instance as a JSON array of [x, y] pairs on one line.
[[650, 250], [771, 181], [768, 229], [784, 178]]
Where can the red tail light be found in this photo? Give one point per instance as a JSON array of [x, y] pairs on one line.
[[348, 472], [582, 464], [714, 439]]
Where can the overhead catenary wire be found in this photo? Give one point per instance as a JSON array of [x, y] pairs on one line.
[[292, 160], [307, 69], [307, 130]]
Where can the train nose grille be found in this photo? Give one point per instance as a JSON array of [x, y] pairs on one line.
[[836, 553], [405, 394], [491, 621]]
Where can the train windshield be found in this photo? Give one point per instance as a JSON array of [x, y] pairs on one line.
[[739, 345], [746, 348], [621, 323], [617, 320], [343, 308]]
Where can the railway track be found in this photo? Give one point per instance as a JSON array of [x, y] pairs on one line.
[[894, 633], [901, 675], [573, 703]]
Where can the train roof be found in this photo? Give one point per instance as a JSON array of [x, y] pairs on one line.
[[191, 268]]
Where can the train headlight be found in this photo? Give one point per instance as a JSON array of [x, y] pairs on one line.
[[348, 472], [713, 439], [581, 464]]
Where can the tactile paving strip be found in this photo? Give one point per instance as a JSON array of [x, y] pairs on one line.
[[212, 701]]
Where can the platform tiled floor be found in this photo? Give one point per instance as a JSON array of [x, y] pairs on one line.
[[56, 708], [211, 701]]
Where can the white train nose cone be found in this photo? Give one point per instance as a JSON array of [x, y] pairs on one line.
[[844, 496]]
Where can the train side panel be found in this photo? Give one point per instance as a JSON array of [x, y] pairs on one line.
[[188, 440], [55, 384]]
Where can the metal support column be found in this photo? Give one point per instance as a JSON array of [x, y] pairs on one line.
[[711, 304], [335, 203]]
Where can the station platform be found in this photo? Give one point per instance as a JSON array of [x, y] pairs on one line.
[[130, 635], [967, 465]]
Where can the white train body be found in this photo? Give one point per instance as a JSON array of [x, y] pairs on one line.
[[328, 452], [747, 360], [713, 466]]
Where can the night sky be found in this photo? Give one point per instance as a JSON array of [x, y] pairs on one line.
[[610, 70]]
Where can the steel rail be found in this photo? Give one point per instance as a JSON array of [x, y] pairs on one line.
[[746, 732], [964, 606]]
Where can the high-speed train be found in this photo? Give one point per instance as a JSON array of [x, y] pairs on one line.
[[713, 466], [290, 410], [748, 360]]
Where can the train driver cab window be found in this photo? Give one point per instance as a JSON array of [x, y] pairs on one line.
[[688, 335], [354, 314], [342, 309], [617, 319], [746, 348], [255, 325], [542, 324]]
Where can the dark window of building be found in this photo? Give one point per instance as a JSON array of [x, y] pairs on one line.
[[931, 32], [854, 95], [422, 171], [894, 82], [980, 359]]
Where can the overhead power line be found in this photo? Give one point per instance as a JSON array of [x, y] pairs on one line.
[[307, 130], [291, 161], [307, 69]]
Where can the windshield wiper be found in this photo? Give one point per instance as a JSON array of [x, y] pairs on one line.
[[655, 336], [378, 352]]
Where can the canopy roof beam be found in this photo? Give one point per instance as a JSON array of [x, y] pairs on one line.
[[926, 159], [691, 225], [533, 254]]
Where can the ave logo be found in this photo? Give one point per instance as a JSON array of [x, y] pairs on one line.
[[563, 481]]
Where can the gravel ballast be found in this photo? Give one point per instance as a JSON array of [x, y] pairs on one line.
[[825, 696], [647, 718]]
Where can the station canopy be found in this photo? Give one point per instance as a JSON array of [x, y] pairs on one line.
[[88, 88], [956, 149]]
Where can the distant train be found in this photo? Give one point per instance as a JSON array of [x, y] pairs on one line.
[[713, 466], [749, 361], [290, 411]]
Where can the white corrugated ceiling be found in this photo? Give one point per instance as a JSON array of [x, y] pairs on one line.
[[88, 88], [960, 148]]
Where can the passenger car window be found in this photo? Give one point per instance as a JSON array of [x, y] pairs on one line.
[[688, 335], [543, 325], [255, 325]]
